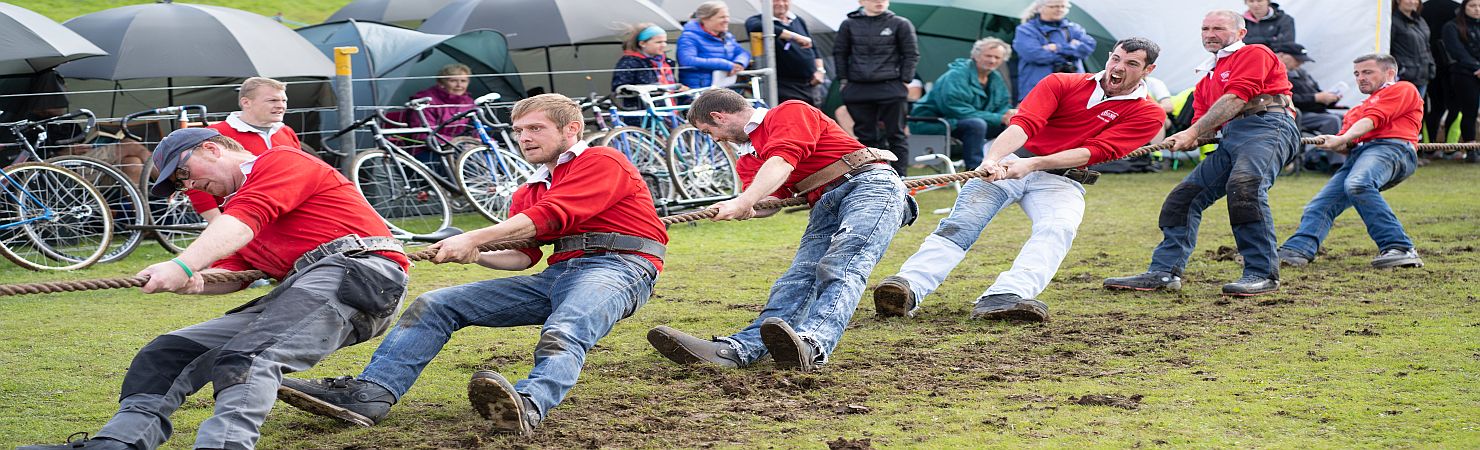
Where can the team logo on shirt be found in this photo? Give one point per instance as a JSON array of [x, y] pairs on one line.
[[886, 32], [1108, 115], [1224, 76]]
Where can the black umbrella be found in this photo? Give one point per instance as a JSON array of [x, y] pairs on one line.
[[30, 42], [547, 23], [390, 11]]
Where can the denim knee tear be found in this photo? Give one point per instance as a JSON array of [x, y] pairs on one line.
[[1243, 199]]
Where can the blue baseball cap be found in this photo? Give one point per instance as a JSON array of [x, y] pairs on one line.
[[167, 155]]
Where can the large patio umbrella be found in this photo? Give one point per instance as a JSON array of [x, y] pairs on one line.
[[947, 28], [551, 23], [30, 42], [400, 12]]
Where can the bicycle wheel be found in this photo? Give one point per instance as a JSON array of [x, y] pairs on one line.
[[646, 153], [402, 192], [177, 224], [701, 166], [57, 220], [125, 203], [489, 178]]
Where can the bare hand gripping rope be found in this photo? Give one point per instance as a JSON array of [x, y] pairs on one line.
[[426, 255]]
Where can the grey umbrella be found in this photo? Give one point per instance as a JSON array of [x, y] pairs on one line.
[[30, 42], [179, 40], [390, 11], [545, 23]]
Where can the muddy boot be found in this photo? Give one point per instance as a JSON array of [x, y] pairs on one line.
[[1291, 258], [682, 348], [358, 402], [495, 399], [1009, 307], [83, 443], [788, 349], [893, 298], [1148, 281]]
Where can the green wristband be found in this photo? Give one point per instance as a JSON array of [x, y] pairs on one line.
[[188, 272]]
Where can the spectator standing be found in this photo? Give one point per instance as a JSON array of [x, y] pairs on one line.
[[1268, 24], [1440, 113], [799, 69], [1309, 98], [1410, 44], [1047, 42], [1462, 42], [972, 96], [705, 47], [258, 127], [875, 53], [644, 60]]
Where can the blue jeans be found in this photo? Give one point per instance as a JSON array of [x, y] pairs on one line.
[[1372, 167], [577, 301], [973, 134], [848, 231], [1249, 156]]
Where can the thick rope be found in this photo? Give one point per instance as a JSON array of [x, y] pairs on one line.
[[427, 255]]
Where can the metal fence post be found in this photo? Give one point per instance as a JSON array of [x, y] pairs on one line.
[[344, 91]]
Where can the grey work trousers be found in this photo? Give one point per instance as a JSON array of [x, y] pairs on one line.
[[246, 352]]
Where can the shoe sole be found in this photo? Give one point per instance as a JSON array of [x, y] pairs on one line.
[[1400, 264], [495, 400], [785, 346], [670, 348], [312, 405], [1173, 286], [1249, 294], [1020, 314], [890, 300]]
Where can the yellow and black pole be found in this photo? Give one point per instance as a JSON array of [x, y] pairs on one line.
[[344, 91]]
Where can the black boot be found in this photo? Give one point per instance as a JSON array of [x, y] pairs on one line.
[[358, 402]]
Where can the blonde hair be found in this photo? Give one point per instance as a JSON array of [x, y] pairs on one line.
[[251, 84], [454, 69], [558, 108], [709, 9], [630, 42]]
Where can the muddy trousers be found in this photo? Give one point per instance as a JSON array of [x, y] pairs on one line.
[[1055, 205], [244, 354], [1250, 154]]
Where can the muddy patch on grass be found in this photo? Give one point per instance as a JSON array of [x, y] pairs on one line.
[[850, 444], [1117, 401]]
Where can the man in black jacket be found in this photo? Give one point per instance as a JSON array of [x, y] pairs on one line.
[[875, 54], [1309, 98], [1438, 113], [1410, 44]]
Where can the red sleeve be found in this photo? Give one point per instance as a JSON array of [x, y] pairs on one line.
[[1040, 103], [583, 192], [1128, 134], [518, 204], [792, 134], [202, 201], [1248, 73], [747, 167], [273, 188]]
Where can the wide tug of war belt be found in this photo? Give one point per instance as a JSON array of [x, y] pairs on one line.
[[352, 244], [609, 242]]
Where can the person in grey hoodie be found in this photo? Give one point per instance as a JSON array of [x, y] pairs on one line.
[[875, 54]]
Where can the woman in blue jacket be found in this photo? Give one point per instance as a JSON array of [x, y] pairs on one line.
[[706, 45], [1046, 42]]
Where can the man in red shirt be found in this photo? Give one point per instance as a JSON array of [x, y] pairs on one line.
[[293, 217], [1066, 121], [257, 127], [609, 245], [1244, 94], [1384, 129], [858, 203]]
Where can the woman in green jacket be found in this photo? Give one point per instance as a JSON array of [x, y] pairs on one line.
[[973, 97]]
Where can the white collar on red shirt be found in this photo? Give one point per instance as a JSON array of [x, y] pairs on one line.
[[542, 175], [1099, 95], [1208, 64], [750, 126], [236, 123]]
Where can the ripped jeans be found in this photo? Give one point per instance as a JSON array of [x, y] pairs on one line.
[[1249, 156], [577, 301]]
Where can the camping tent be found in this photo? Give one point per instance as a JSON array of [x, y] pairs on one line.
[[397, 58]]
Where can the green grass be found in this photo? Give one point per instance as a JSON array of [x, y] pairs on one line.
[[1342, 356], [306, 11]]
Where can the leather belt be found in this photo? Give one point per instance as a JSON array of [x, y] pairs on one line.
[[849, 165], [1083, 176], [351, 244], [1264, 103], [589, 243]]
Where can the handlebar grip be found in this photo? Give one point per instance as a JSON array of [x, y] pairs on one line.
[[380, 113], [92, 120], [419, 102], [487, 98]]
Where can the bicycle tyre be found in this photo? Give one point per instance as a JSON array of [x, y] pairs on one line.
[[701, 167], [413, 205], [175, 211], [76, 234], [490, 183], [645, 151], [125, 203]]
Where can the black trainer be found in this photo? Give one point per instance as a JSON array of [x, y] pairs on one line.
[[1251, 285], [74, 442], [685, 349], [1397, 257], [495, 399], [1148, 281], [358, 402], [788, 349], [1009, 307], [1292, 258], [893, 297]]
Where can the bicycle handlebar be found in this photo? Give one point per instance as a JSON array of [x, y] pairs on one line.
[[455, 118], [487, 98], [380, 113], [182, 110], [92, 119]]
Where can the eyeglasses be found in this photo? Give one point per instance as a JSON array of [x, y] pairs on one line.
[[182, 172]]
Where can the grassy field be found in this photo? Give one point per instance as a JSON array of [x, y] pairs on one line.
[[1342, 356], [306, 11]]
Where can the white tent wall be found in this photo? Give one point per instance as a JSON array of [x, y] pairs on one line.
[[1334, 32]]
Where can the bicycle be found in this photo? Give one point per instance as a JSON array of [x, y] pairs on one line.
[[51, 219], [409, 196], [488, 171], [172, 219]]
